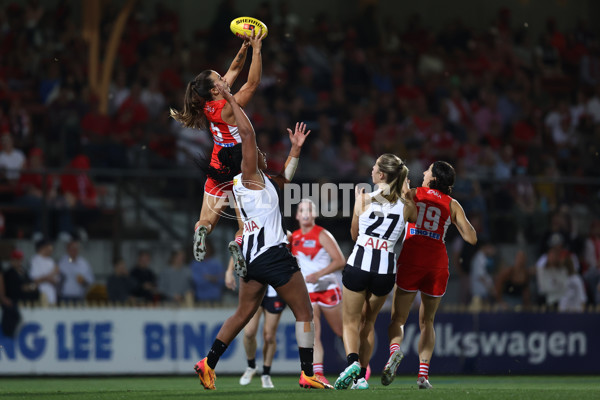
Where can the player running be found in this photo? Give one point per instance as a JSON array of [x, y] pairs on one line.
[[423, 265], [369, 276]]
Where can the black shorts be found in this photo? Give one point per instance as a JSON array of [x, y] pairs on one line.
[[274, 267], [274, 305], [357, 280]]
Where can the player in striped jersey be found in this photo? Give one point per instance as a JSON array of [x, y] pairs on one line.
[[319, 257], [205, 108], [369, 275], [423, 265], [268, 259]]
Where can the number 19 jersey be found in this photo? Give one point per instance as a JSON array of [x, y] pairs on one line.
[[424, 244]]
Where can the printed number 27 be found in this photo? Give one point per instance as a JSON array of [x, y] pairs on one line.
[[430, 214]]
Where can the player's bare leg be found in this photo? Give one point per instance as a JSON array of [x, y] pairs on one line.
[[250, 331], [212, 206], [400, 309], [429, 306]]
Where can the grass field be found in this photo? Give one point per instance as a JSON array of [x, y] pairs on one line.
[[404, 387]]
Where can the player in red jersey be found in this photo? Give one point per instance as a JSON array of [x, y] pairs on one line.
[[423, 265], [205, 108], [319, 257]]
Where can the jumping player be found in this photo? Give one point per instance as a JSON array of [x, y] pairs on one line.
[[268, 260], [370, 273], [319, 256], [205, 108], [423, 265]]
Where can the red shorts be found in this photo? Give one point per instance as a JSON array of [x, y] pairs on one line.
[[430, 281], [328, 298], [211, 186], [215, 188]]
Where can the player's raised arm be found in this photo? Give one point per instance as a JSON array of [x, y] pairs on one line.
[[246, 92], [297, 138], [251, 176], [237, 64]]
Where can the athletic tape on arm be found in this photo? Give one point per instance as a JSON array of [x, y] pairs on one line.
[[290, 168]]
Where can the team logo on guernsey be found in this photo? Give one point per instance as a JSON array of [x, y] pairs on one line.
[[435, 193], [250, 226], [377, 244]]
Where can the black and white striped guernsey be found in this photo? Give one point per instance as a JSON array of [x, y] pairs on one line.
[[379, 228], [261, 215]]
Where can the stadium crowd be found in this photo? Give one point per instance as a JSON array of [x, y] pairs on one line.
[[513, 112]]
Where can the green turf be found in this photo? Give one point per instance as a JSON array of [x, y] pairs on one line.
[[404, 387]]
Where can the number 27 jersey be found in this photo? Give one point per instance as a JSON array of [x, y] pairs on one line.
[[424, 244]]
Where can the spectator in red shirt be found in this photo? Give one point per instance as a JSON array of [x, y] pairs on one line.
[[76, 185], [36, 189]]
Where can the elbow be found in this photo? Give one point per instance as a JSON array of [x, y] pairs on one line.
[[473, 240], [253, 83]]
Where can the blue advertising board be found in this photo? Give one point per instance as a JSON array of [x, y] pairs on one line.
[[490, 343]]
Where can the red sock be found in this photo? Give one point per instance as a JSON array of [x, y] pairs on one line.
[[394, 347], [424, 370], [318, 368], [238, 240]]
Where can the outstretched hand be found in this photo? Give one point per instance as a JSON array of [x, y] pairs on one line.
[[255, 39], [299, 135]]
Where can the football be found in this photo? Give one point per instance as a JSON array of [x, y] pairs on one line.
[[242, 25]]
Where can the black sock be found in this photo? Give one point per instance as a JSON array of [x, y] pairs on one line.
[[306, 360], [351, 358], [252, 363], [216, 351], [266, 370], [363, 373]]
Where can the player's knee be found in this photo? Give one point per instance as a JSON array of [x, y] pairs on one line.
[[304, 313], [398, 319], [269, 337]]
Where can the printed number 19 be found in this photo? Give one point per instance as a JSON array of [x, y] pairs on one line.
[[430, 214]]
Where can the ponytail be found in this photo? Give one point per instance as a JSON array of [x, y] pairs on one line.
[[197, 93], [396, 172]]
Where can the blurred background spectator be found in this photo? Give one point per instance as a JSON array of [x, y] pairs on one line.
[[119, 285], [144, 277], [76, 274], [45, 272], [208, 276], [175, 281]]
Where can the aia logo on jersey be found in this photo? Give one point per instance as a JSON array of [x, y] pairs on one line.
[[435, 193], [296, 243], [310, 243], [377, 244], [250, 226]]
